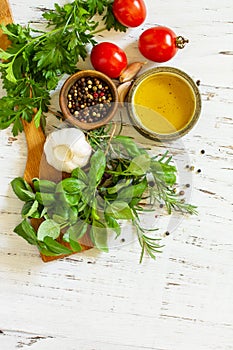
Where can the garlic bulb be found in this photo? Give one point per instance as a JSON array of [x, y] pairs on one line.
[[67, 149]]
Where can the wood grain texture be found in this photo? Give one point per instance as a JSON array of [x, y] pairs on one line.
[[94, 301], [36, 164], [5, 18]]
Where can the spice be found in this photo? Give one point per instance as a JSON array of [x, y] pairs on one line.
[[187, 185], [181, 193], [198, 170], [131, 71], [202, 151], [89, 99], [123, 90]]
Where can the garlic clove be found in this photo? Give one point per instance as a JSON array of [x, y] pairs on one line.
[[123, 90], [63, 153], [131, 71]]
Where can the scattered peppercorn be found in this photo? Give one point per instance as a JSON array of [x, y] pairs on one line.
[[202, 151], [181, 193], [198, 170], [198, 82], [167, 233], [187, 185], [191, 168], [122, 240], [89, 99], [187, 166], [161, 205]]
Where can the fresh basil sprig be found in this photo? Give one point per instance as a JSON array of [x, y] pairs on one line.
[[118, 183]]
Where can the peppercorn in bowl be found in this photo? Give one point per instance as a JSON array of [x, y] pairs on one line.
[[88, 99]]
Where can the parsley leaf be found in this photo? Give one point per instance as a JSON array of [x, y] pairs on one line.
[[35, 61]]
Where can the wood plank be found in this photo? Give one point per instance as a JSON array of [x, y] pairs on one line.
[[36, 164], [5, 18], [100, 301]]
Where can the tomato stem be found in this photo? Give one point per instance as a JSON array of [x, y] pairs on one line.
[[181, 42]]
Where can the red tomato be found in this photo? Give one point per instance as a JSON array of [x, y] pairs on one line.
[[130, 13], [160, 44], [109, 59]]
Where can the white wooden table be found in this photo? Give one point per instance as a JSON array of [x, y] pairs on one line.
[[93, 301]]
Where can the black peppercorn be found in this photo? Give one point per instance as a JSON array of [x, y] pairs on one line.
[[87, 96]]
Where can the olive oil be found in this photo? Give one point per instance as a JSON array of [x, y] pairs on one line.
[[164, 103]]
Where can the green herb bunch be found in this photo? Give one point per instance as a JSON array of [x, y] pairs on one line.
[[36, 60], [120, 180]]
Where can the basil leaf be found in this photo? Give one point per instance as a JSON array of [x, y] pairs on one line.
[[22, 190], [73, 215], [61, 209], [118, 186], [71, 199], [70, 185], [99, 236], [119, 210], [58, 219], [94, 210], [43, 249], [29, 209], [46, 199], [133, 191], [76, 247], [55, 247], [44, 185], [79, 174], [139, 165], [76, 231], [48, 228], [26, 231], [129, 145], [98, 165], [113, 224]]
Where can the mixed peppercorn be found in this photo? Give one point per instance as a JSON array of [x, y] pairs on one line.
[[89, 99]]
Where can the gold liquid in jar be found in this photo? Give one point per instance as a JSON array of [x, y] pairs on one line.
[[164, 103]]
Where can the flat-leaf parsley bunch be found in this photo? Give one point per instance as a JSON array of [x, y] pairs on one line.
[[35, 61]]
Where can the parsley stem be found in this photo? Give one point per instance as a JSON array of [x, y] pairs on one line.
[[98, 31]]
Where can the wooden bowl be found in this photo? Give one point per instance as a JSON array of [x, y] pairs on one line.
[[63, 99], [164, 103]]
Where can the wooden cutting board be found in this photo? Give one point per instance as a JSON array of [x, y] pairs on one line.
[[36, 165]]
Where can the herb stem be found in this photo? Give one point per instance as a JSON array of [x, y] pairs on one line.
[[98, 31]]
